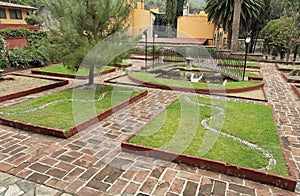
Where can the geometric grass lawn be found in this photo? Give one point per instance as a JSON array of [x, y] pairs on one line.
[[148, 77], [173, 132], [59, 111], [82, 71]]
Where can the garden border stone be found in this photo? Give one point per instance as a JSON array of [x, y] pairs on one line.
[[75, 129], [34, 90], [296, 90]]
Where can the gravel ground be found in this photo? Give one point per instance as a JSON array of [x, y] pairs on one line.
[[10, 84]]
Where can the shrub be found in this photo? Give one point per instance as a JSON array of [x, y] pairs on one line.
[[18, 58], [3, 54]]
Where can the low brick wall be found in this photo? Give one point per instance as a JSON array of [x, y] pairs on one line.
[[217, 166], [197, 90], [75, 129], [34, 90]]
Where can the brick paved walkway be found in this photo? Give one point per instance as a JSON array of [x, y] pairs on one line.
[[92, 163]]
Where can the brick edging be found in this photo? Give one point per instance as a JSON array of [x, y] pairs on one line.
[[217, 166], [34, 90], [75, 129], [288, 79], [296, 90], [197, 90], [72, 76]]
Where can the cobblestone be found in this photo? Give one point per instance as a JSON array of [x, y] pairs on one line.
[[91, 162]]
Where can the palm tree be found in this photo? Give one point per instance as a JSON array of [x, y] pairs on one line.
[[236, 25], [222, 13]]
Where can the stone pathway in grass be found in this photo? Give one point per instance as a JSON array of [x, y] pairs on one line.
[[204, 122]]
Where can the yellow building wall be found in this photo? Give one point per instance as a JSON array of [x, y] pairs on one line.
[[140, 20], [13, 21], [195, 26]]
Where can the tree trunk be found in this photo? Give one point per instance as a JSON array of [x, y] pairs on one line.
[[91, 75], [236, 25]]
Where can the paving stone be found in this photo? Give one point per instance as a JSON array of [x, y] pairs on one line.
[[177, 186], [161, 188], [219, 188], [4, 176], [39, 167], [121, 163], [241, 189], [2, 189], [26, 185], [43, 190], [10, 181], [206, 186], [13, 190], [190, 188], [149, 185], [38, 178]]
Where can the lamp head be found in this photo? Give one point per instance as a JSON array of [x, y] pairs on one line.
[[247, 40]]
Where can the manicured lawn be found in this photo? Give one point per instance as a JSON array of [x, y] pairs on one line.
[[148, 77], [240, 63], [287, 66], [62, 69], [179, 129], [68, 113]]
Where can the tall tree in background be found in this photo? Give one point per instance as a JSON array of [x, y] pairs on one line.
[[284, 33], [174, 9], [83, 23], [236, 25], [171, 17], [221, 13]]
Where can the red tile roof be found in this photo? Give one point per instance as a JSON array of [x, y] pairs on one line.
[[12, 5]]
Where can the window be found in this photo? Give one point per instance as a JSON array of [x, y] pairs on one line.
[[15, 14], [2, 13]]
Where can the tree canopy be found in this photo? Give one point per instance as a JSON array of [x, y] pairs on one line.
[[83, 23]]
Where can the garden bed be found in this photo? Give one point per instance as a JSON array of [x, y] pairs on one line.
[[241, 149], [237, 64], [233, 87], [56, 114], [59, 70], [18, 85]]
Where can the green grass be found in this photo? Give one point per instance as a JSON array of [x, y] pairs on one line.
[[174, 130], [288, 66], [240, 63], [62, 69], [67, 114], [148, 77]]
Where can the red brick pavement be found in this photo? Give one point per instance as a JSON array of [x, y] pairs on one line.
[[92, 163]]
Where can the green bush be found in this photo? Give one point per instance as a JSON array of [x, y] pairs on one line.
[[18, 58], [3, 54], [33, 20]]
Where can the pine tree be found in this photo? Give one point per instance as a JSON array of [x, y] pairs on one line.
[[84, 23]]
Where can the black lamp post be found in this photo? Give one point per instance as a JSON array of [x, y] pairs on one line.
[[145, 36], [154, 36], [247, 41]]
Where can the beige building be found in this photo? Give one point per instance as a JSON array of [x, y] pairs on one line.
[[13, 15], [189, 27]]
